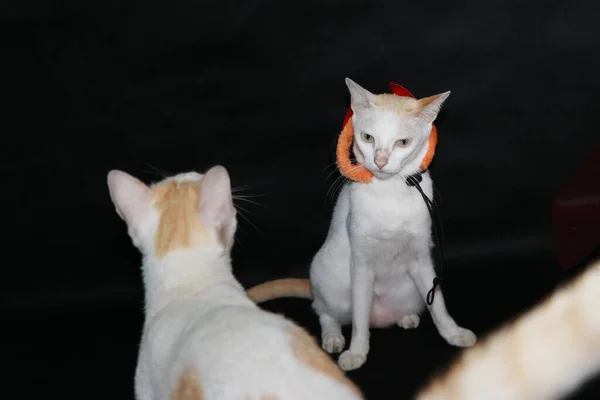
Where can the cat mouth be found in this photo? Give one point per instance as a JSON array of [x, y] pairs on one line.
[[379, 174]]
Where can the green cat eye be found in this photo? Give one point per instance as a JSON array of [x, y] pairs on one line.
[[367, 138], [403, 142]]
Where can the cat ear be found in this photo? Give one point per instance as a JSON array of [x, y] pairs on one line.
[[360, 98], [216, 203], [130, 196], [429, 107]]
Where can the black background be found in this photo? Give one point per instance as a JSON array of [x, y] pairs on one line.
[[157, 88]]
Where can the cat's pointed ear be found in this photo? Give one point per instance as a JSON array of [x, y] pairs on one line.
[[216, 203], [360, 98], [429, 107], [130, 196]]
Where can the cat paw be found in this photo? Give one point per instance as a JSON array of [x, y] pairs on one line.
[[462, 338], [349, 361], [333, 342], [409, 321]]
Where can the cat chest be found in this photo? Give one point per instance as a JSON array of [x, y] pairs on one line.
[[391, 218]]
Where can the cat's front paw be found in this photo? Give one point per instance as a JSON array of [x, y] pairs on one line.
[[349, 361], [333, 342], [462, 338]]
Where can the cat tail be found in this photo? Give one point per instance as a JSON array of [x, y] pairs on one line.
[[287, 287]]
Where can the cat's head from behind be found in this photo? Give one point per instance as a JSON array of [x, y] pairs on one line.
[[391, 132], [185, 211]]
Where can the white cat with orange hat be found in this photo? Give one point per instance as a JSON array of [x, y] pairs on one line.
[[375, 267]]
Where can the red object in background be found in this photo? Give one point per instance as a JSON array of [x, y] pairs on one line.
[[576, 214]]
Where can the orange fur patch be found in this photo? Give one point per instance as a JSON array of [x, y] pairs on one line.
[[180, 225], [188, 387], [399, 105], [308, 352]]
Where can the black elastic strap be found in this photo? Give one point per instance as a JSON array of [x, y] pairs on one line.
[[436, 223]]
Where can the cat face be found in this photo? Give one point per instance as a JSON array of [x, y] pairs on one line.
[[391, 132], [188, 210]]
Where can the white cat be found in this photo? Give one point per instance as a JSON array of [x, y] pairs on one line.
[[203, 339], [375, 267]]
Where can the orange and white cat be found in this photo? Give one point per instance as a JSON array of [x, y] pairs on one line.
[[203, 339], [545, 354]]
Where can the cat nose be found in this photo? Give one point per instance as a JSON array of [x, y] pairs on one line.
[[381, 158], [381, 162]]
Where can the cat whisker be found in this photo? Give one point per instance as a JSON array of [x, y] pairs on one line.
[[156, 171], [330, 173], [247, 200], [240, 227], [352, 160], [242, 209], [247, 196], [332, 188], [239, 188], [333, 164], [153, 173], [339, 188], [439, 195], [236, 193], [337, 185], [239, 209], [353, 171], [237, 240], [242, 198]]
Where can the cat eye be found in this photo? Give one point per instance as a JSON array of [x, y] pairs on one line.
[[403, 142], [367, 138]]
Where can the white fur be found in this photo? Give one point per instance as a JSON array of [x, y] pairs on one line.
[[375, 267], [198, 316]]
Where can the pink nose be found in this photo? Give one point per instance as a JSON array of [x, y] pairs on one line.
[[381, 162], [382, 157]]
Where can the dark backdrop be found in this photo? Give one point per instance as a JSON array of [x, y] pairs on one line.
[[155, 87]]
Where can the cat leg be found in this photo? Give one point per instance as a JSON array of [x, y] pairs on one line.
[[332, 314], [363, 278], [410, 321], [332, 339], [423, 274]]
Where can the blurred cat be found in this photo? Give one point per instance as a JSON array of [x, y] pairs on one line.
[[545, 354]]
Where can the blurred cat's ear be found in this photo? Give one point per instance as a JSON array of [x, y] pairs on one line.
[[429, 107], [216, 203], [131, 198], [360, 98]]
